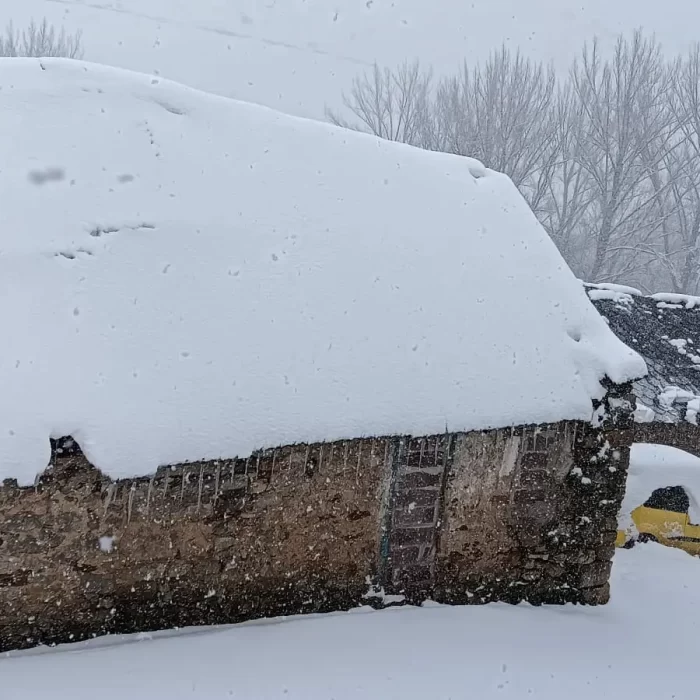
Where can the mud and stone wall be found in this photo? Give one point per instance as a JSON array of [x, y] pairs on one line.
[[531, 514], [516, 514], [684, 436]]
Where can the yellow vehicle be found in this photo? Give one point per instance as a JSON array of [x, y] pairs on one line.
[[664, 518]]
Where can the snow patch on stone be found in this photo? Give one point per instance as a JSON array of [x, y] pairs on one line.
[[376, 592], [619, 293], [644, 414], [669, 300]]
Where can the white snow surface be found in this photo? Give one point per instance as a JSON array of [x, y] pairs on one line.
[[619, 293], [679, 300], [644, 414], [620, 288], [659, 466], [643, 645], [188, 277], [609, 294], [298, 56], [673, 394], [106, 543]]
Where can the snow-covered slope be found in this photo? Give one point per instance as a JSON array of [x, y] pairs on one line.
[[188, 277], [299, 55], [642, 646]]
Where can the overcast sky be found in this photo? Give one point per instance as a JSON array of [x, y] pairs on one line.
[[297, 55]]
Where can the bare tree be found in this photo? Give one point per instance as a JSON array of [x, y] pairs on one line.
[[608, 159], [569, 184], [623, 136], [501, 113], [392, 104], [680, 250], [40, 40]]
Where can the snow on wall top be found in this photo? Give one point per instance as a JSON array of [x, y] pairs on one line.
[[609, 287], [676, 300], [186, 277]]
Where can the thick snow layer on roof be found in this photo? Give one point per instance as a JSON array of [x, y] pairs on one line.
[[187, 277], [655, 467]]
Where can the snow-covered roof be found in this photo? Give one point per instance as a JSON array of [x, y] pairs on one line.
[[187, 277], [665, 330]]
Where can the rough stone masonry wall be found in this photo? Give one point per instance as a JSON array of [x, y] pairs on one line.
[[531, 514], [684, 436], [517, 514], [286, 531]]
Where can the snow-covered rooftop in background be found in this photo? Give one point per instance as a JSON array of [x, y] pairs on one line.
[[187, 277], [664, 329]]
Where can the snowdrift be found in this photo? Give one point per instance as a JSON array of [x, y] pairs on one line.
[[655, 467], [187, 277]]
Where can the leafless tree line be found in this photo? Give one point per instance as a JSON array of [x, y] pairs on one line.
[[40, 40], [608, 157]]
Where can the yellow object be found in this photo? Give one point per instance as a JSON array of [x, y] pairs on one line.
[[664, 518]]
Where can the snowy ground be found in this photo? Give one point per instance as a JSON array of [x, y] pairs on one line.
[[299, 55], [642, 646]]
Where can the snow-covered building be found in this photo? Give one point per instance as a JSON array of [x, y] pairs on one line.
[[664, 329], [304, 367]]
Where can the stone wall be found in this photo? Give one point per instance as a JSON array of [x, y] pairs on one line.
[[531, 514], [684, 436], [517, 514], [292, 530]]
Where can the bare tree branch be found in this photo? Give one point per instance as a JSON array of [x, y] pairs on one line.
[[40, 40]]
